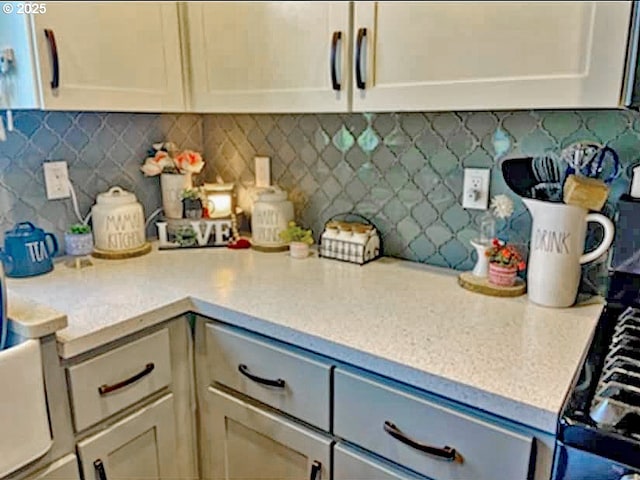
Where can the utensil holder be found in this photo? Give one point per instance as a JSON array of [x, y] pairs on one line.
[[358, 249]]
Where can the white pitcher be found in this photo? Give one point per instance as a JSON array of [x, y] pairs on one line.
[[556, 251]]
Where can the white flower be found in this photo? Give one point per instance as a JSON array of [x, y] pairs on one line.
[[502, 206]]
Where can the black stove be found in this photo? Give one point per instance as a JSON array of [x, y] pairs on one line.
[[599, 426]]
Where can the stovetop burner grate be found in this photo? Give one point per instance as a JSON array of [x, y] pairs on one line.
[[618, 392]]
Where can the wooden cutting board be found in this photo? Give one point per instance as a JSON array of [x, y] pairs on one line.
[[122, 254], [481, 285]]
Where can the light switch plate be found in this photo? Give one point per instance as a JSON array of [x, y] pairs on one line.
[[56, 180], [475, 190], [263, 171]]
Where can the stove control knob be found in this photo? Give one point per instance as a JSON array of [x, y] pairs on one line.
[[631, 476]]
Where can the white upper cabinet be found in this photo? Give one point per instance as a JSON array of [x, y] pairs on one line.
[[489, 55], [118, 56], [268, 56]]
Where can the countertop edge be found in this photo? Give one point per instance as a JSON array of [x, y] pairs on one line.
[[30, 319], [72, 347]]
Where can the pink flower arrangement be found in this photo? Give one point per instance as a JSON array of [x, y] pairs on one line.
[[165, 158]]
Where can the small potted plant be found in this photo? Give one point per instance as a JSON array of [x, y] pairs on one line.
[[298, 239], [78, 240], [504, 263], [191, 203]]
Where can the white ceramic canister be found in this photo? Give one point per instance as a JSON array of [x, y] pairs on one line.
[[272, 213], [118, 221]]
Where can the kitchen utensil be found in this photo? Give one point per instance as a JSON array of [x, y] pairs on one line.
[[28, 250], [272, 213], [558, 234], [540, 183], [519, 176], [546, 170], [591, 159], [118, 221]]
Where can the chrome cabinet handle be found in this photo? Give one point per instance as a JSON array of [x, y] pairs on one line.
[[53, 49], [99, 467], [446, 453], [362, 33], [105, 389], [244, 370], [337, 36], [316, 468]]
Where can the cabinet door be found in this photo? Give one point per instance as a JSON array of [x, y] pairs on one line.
[[490, 55], [268, 56], [118, 56], [349, 464], [141, 446], [64, 469], [248, 443]]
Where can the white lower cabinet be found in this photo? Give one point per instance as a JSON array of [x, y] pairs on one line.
[[140, 446], [64, 469], [350, 464], [248, 442]]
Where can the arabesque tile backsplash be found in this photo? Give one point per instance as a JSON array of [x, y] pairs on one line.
[[403, 171]]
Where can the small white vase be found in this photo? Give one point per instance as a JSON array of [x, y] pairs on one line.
[[481, 269], [171, 186], [299, 250]]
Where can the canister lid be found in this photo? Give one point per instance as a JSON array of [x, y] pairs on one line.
[[116, 196], [272, 195]]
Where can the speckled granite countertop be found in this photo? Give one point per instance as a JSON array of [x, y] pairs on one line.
[[397, 318]]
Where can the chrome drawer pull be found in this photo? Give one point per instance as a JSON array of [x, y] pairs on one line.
[[316, 468], [53, 48], [243, 369], [447, 453], [99, 467], [337, 36], [360, 83], [104, 389]]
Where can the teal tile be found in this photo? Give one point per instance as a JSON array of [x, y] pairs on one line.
[[443, 162], [408, 229], [456, 217], [412, 160], [422, 247], [425, 214], [519, 124], [368, 140], [397, 177], [343, 139], [413, 123], [454, 252], [395, 210], [561, 124], [445, 123], [461, 143]]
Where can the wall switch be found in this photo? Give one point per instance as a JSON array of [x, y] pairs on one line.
[[263, 171], [475, 190], [56, 180]]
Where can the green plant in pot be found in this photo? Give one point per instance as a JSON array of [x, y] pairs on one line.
[[78, 240], [191, 203], [298, 239]]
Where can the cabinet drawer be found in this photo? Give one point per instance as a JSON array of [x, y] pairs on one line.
[[296, 384], [114, 380], [484, 451], [350, 464]]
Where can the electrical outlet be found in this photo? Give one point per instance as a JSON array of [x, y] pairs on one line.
[[475, 190], [56, 180]]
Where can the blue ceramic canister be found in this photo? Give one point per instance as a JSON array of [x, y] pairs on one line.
[[28, 251]]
